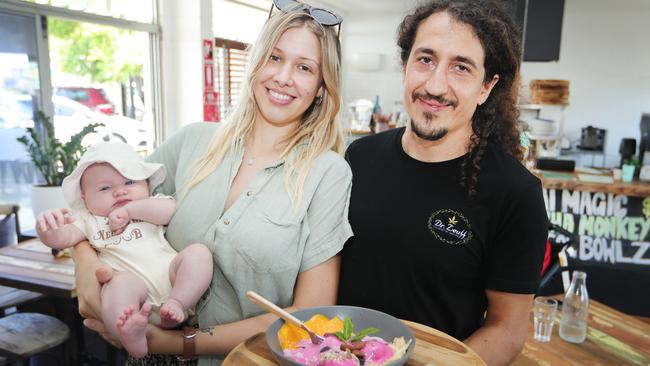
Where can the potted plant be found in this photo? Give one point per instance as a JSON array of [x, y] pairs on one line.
[[54, 159]]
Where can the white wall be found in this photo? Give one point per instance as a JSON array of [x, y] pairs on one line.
[[184, 24], [369, 43], [606, 58]]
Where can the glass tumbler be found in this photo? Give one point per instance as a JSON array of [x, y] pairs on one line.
[[544, 316]]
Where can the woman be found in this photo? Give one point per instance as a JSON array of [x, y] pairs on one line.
[[267, 192]]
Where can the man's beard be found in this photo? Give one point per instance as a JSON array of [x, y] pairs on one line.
[[433, 135], [436, 133]]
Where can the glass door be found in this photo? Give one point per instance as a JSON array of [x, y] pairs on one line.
[[20, 95]]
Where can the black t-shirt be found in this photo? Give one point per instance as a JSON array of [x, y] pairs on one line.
[[422, 251]]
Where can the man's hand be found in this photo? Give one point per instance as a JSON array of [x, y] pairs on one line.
[[51, 220], [118, 219]]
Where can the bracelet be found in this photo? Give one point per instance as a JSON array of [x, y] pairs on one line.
[[189, 344]]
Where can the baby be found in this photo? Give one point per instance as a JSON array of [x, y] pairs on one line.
[[110, 191]]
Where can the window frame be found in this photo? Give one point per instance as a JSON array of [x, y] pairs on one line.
[[41, 12], [224, 71]]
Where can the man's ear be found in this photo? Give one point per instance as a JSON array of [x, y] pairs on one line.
[[486, 89]]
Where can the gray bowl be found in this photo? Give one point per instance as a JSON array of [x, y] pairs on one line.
[[389, 328]]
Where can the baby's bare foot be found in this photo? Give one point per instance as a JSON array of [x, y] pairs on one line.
[[171, 313], [132, 326], [104, 274]]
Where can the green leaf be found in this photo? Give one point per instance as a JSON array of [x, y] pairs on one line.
[[340, 336], [362, 334], [52, 158], [348, 327]]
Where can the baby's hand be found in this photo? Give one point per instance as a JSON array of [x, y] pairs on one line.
[[53, 220], [118, 219]]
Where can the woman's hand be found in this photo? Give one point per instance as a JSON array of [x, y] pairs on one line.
[[86, 283], [88, 268]]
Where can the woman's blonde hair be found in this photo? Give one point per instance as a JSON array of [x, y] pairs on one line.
[[319, 130]]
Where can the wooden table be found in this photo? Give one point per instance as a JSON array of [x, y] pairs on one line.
[[31, 266], [431, 347], [613, 338]]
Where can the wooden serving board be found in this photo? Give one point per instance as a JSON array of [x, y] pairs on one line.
[[432, 348]]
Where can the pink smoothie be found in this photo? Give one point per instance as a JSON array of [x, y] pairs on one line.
[[376, 352]]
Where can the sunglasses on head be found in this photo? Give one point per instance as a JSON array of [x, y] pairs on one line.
[[322, 16]]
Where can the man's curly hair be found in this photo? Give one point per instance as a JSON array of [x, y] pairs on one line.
[[495, 121]]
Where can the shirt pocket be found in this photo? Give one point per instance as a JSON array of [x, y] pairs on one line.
[[272, 244]]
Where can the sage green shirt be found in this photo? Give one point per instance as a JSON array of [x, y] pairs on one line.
[[261, 242]]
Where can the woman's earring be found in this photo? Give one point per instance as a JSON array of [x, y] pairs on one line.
[[319, 100]]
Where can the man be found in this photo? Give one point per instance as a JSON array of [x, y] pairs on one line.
[[449, 226]]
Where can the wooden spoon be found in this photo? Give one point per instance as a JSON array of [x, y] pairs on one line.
[[272, 308]]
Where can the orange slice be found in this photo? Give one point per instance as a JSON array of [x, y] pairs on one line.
[[289, 335]]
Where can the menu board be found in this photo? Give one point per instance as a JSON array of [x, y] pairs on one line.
[[613, 232]]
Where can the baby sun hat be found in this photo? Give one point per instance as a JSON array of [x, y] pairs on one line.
[[123, 158]]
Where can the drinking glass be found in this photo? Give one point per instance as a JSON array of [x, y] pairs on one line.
[[544, 316]]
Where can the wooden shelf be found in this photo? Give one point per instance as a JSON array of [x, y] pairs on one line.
[[635, 188]]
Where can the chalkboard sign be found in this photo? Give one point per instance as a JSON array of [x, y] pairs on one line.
[[613, 246]]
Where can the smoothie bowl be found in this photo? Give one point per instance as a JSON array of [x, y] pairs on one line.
[[352, 336]]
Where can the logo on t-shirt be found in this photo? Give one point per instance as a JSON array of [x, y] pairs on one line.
[[450, 227], [110, 238]]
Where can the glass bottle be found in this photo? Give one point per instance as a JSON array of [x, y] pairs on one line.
[[575, 310], [375, 109]]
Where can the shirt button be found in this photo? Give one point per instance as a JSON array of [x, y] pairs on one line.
[[226, 222], [249, 193]]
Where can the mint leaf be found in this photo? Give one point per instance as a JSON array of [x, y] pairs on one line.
[[364, 333], [340, 336], [347, 328]]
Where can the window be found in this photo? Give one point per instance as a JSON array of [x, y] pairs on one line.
[[230, 64], [99, 70], [140, 10], [20, 91]]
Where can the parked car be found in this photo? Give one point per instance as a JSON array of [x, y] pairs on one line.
[[16, 111], [93, 98], [70, 117]]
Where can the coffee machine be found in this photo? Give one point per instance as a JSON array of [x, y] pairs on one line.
[[644, 143]]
